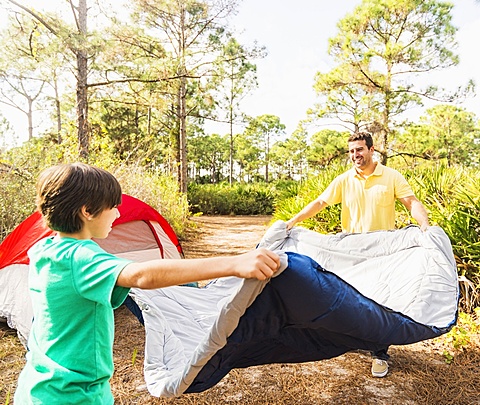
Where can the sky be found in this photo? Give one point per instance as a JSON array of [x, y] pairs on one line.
[[296, 35]]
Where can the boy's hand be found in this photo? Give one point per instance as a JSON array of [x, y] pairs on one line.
[[259, 263]]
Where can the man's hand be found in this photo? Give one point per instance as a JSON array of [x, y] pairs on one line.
[[424, 226], [290, 224]]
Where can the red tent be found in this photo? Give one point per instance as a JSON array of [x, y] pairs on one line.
[[140, 233], [13, 250]]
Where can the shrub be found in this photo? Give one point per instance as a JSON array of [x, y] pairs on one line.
[[460, 337], [158, 190], [453, 201], [19, 170], [328, 220], [237, 199], [17, 197]]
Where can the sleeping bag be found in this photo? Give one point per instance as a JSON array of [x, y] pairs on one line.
[[333, 294]]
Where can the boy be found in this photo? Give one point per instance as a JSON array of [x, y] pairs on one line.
[[75, 286]]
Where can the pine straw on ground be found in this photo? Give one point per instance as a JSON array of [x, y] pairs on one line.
[[418, 373]]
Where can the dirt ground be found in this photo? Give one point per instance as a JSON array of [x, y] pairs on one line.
[[418, 373]]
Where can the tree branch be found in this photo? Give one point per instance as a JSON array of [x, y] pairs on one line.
[[36, 16], [137, 80]]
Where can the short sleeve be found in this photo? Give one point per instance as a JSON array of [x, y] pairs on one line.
[[96, 273], [333, 193], [402, 188]]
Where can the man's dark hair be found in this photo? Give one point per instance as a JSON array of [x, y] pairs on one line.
[[362, 136], [64, 189]]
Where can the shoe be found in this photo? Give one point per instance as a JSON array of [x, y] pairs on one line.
[[379, 368]]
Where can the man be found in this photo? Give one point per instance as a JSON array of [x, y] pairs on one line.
[[367, 192]]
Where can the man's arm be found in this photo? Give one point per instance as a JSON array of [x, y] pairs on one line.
[[309, 211], [418, 211], [258, 263]]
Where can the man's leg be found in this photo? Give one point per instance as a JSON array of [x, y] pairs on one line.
[[379, 363]]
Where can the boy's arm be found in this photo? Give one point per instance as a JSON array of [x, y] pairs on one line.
[[259, 263]]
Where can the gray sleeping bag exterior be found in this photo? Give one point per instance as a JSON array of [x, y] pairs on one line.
[[334, 293]]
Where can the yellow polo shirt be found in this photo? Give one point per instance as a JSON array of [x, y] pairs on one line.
[[367, 204]]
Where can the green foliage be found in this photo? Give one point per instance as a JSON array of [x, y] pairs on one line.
[[16, 197], [210, 153], [237, 199], [288, 158], [328, 220], [247, 154], [451, 195], [459, 338], [235, 76], [327, 145], [452, 199], [19, 169], [264, 129], [447, 134], [285, 189], [157, 190]]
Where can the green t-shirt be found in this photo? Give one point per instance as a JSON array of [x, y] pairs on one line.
[[70, 357]]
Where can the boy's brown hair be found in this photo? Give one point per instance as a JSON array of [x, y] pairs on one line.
[[64, 189]]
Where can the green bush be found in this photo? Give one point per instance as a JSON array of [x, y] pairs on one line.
[[328, 220], [159, 191], [19, 169], [238, 199], [17, 197], [452, 198]]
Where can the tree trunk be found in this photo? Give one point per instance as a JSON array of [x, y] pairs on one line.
[[183, 134], [149, 121], [58, 112], [30, 118], [267, 157], [182, 107], [230, 176], [82, 95]]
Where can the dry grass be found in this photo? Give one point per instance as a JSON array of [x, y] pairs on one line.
[[418, 373], [11, 362]]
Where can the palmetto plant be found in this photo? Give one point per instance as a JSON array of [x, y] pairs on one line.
[[328, 220], [452, 198]]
